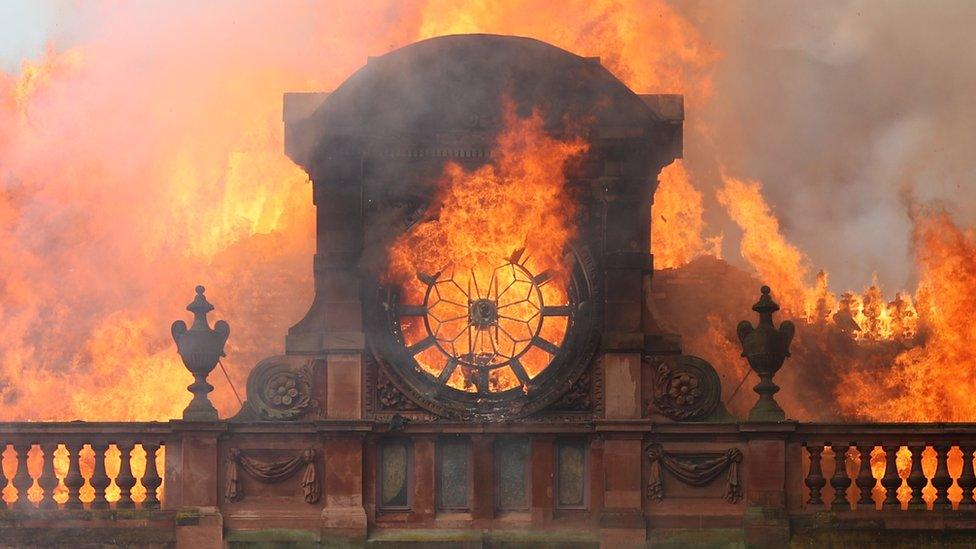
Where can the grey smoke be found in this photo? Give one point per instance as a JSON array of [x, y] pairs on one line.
[[840, 108]]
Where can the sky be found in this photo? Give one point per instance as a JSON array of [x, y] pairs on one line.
[[25, 27]]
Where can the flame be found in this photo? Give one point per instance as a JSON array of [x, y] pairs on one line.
[[648, 45], [134, 166], [677, 225], [932, 381], [492, 235], [780, 264]]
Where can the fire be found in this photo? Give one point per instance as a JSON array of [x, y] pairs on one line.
[[134, 165], [677, 226], [934, 380], [868, 316], [648, 45], [782, 265], [495, 237], [147, 157]]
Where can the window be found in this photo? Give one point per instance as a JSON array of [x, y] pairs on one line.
[[512, 473], [453, 474], [571, 474], [394, 484]]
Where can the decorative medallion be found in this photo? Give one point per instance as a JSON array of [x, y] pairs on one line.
[[278, 390], [686, 388]]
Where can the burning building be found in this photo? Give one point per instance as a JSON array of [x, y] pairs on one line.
[[483, 361]]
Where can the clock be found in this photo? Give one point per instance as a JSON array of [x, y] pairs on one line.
[[492, 341]]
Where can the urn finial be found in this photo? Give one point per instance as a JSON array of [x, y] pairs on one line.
[[200, 347], [766, 348]]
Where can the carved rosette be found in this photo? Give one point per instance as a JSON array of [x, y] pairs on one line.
[[578, 398], [390, 397], [278, 390], [686, 388]]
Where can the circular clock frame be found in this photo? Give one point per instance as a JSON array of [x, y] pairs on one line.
[[482, 313]]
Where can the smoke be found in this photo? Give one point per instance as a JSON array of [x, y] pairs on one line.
[[839, 107], [141, 155]]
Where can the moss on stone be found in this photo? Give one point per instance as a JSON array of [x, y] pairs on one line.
[[724, 538], [188, 516], [273, 538], [508, 538]]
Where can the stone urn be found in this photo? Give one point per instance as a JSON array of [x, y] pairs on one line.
[[200, 347], [766, 348]]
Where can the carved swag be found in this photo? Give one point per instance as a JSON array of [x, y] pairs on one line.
[[694, 470], [272, 473]]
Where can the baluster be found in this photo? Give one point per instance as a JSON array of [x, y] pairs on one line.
[[151, 480], [3, 478], [865, 479], [891, 481], [125, 480], [967, 479], [840, 481], [73, 480], [941, 480], [99, 479], [48, 480], [916, 479], [22, 480], [815, 480]]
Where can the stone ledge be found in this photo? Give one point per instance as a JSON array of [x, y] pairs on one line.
[[422, 537]]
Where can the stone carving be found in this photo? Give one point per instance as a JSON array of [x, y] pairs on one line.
[[200, 347], [766, 347], [272, 473], [390, 397], [578, 398], [694, 470], [686, 388], [278, 390]]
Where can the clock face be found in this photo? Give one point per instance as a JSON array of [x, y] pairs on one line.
[[494, 341]]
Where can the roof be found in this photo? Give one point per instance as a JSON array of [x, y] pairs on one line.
[[459, 82]]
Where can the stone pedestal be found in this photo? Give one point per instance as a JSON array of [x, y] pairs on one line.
[[766, 520], [344, 385], [199, 528], [344, 517], [622, 518], [192, 484]]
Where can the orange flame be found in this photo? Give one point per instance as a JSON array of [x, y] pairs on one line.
[[491, 235], [677, 226], [129, 172], [933, 381]]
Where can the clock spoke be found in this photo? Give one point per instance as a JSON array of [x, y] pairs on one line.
[[520, 372], [449, 367], [421, 345], [411, 310], [545, 345], [542, 278], [556, 310]]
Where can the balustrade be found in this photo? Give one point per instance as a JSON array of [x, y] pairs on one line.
[[58, 466], [919, 467]]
